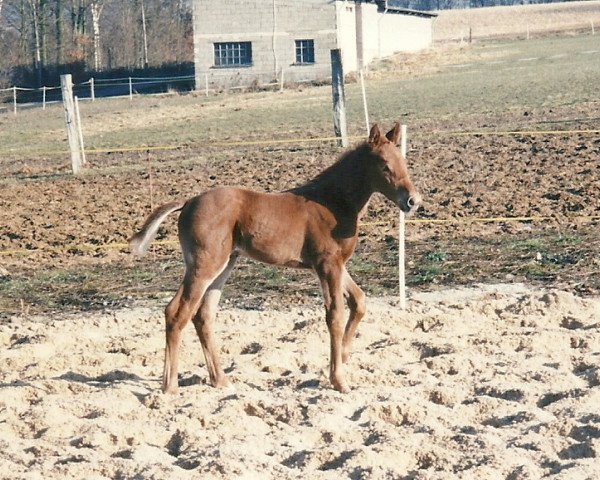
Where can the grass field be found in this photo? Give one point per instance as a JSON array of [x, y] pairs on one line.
[[469, 85], [493, 86], [517, 20]]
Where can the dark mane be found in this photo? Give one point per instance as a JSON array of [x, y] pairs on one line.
[[346, 163]]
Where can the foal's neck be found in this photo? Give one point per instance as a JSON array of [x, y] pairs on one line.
[[343, 185]]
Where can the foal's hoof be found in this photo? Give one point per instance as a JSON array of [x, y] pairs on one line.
[[170, 390], [221, 382], [340, 387]]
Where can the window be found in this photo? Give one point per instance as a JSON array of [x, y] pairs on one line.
[[233, 54], [305, 51]]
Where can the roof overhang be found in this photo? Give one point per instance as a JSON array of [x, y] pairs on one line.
[[408, 11], [385, 6]]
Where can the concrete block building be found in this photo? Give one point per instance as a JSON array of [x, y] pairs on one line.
[[245, 42]]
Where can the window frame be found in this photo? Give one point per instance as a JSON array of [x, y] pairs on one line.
[[232, 54], [304, 51]]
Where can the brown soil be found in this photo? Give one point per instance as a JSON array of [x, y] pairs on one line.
[[62, 238]]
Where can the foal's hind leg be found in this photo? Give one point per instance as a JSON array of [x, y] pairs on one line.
[[180, 310], [356, 303], [203, 321]]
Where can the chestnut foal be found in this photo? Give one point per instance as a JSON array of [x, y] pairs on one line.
[[312, 226]]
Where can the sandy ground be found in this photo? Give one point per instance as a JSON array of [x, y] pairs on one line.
[[492, 382]]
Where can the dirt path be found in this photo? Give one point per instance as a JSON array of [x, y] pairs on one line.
[[492, 382]]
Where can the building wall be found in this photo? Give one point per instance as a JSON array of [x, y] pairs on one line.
[[272, 27], [371, 21], [403, 33], [346, 13], [389, 33]]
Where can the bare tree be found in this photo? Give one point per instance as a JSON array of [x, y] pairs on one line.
[[58, 34], [96, 34], [78, 23], [37, 12], [96, 9], [169, 24], [144, 35]]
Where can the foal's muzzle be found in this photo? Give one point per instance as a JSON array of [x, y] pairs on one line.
[[409, 203]]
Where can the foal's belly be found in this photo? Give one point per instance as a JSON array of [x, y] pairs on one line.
[[274, 231]]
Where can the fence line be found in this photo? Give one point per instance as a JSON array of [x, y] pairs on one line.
[[94, 84], [110, 81], [314, 140], [525, 133], [414, 221]]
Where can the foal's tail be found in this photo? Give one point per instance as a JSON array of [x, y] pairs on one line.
[[138, 243]]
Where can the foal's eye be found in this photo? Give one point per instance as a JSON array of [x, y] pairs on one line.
[[386, 168]]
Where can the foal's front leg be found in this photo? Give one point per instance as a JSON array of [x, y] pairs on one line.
[[331, 276]]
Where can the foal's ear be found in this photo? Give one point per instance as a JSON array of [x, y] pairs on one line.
[[375, 135], [394, 134]]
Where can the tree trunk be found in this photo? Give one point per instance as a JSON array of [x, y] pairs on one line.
[[145, 37], [42, 26], [77, 18], [23, 30], [37, 54], [78, 30], [59, 32], [96, 8]]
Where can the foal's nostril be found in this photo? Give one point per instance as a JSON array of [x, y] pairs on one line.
[[407, 202], [413, 201]]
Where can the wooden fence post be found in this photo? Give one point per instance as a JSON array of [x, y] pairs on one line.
[[130, 89], [66, 84], [206, 84], [15, 100], [92, 90], [43, 98], [339, 97], [79, 130]]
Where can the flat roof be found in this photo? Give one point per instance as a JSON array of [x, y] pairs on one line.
[[408, 11]]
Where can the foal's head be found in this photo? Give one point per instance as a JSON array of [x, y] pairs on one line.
[[388, 171]]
